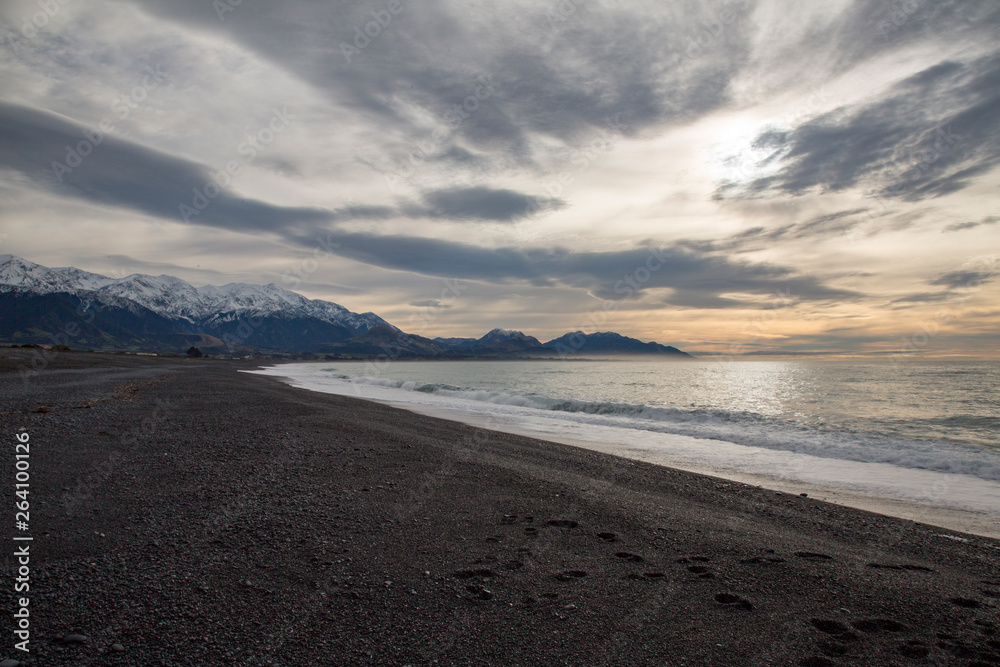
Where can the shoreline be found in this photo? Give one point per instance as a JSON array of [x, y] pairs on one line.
[[192, 514], [952, 517]]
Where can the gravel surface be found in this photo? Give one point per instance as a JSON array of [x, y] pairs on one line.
[[184, 513]]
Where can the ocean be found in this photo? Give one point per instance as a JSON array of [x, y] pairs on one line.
[[919, 439]]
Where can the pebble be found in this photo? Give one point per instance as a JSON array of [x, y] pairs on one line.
[[10, 663], [75, 639], [117, 648]]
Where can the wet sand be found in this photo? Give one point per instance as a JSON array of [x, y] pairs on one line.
[[189, 514]]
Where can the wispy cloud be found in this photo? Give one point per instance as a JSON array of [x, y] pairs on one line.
[[458, 140]]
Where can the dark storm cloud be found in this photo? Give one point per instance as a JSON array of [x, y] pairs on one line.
[[960, 226], [129, 175], [692, 279], [75, 160], [759, 238], [72, 160], [481, 203], [553, 74], [929, 135], [959, 283], [964, 279], [430, 303]]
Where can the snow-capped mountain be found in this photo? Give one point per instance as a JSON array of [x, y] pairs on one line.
[[84, 310], [17, 273], [86, 279], [497, 341], [499, 335], [263, 316]]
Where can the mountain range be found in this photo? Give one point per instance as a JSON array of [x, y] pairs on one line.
[[86, 310]]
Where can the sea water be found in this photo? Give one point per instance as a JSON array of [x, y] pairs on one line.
[[913, 438]]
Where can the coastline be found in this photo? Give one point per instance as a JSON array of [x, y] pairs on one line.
[[970, 505], [192, 513]]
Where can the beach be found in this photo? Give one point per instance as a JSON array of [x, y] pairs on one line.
[[185, 513]]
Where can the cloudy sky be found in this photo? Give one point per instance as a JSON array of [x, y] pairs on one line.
[[722, 175]]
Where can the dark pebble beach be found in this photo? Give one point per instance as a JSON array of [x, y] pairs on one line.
[[185, 513]]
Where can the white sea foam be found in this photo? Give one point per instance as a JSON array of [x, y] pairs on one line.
[[851, 466], [737, 427]]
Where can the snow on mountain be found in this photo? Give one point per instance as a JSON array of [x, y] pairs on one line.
[[17, 273], [164, 295], [501, 334], [242, 300], [456, 342], [174, 298], [85, 279], [507, 341]]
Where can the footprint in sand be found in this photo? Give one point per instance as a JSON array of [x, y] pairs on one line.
[[562, 523], [479, 592], [630, 558], [702, 571], [608, 537], [832, 649], [570, 575], [913, 649], [965, 603], [836, 629], [956, 647], [734, 600], [829, 627]]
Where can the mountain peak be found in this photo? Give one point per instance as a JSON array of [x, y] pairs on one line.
[[609, 343], [209, 308], [501, 334]]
